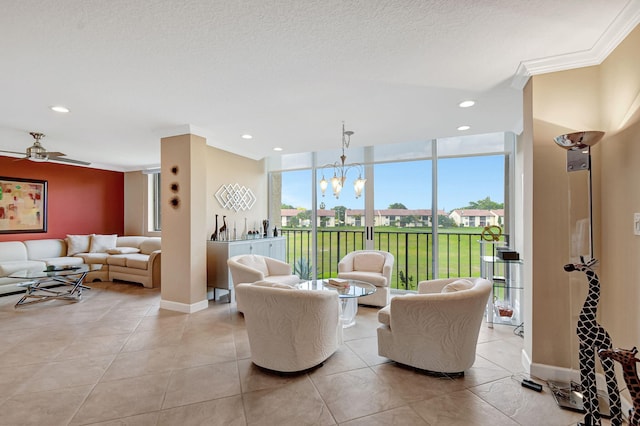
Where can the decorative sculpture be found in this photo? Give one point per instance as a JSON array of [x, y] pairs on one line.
[[592, 336], [265, 228], [214, 236], [223, 229], [627, 358]]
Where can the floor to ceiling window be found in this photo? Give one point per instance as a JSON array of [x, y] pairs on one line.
[[425, 202]]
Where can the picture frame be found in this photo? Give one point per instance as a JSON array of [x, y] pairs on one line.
[[23, 205]]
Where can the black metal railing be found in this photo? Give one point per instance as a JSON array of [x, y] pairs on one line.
[[458, 253]]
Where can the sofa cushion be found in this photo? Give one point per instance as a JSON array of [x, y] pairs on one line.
[[150, 245], [123, 250], [368, 262], [78, 244], [102, 243], [117, 259], [130, 241], [254, 262], [12, 251], [47, 248], [457, 285], [93, 258], [137, 260], [11, 267]]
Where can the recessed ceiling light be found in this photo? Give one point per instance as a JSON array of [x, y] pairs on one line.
[[464, 128], [246, 136], [466, 104], [277, 148], [59, 108]]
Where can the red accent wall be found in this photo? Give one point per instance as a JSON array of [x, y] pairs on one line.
[[80, 200]]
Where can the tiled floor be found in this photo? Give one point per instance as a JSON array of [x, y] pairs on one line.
[[115, 358]]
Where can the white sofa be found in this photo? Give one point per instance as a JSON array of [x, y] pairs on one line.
[[437, 329], [127, 258], [373, 267], [290, 330]]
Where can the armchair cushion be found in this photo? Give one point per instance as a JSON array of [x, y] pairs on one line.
[[368, 262], [255, 262], [457, 285]]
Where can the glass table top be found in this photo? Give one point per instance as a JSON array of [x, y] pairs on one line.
[[354, 289], [56, 271]]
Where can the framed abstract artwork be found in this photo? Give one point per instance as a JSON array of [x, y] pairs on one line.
[[23, 205]]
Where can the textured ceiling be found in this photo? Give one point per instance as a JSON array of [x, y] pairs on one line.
[[288, 72]]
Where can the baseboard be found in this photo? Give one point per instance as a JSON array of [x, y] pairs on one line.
[[559, 374], [183, 307]]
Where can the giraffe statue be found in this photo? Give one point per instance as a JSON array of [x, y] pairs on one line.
[[627, 358], [592, 336], [223, 229]]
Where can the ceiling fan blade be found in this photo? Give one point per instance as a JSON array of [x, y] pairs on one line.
[[55, 154], [12, 152], [68, 160]]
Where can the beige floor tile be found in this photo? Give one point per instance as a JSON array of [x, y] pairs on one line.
[[147, 419], [506, 353], [296, 403], [401, 416], [253, 378], [140, 363], [344, 359], [194, 352], [461, 408], [367, 350], [416, 386], [67, 373], [356, 393], [151, 339], [123, 398], [219, 412], [90, 346], [198, 384], [55, 407]]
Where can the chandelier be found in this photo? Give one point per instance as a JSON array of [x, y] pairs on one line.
[[340, 170]]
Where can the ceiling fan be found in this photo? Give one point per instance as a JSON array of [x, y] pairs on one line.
[[37, 152]]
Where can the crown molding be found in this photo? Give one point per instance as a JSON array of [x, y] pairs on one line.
[[617, 31]]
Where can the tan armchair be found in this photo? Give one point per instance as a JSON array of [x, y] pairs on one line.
[[290, 330], [436, 329], [371, 266]]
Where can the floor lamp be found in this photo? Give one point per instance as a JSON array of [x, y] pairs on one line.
[[591, 335]]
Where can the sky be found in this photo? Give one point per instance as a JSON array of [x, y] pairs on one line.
[[460, 181]]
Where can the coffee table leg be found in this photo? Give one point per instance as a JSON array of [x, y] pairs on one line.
[[349, 310]]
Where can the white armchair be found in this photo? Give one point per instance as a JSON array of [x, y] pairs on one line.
[[250, 268], [290, 330], [437, 329], [371, 266]]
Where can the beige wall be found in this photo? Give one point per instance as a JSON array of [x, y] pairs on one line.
[[224, 168], [592, 98]]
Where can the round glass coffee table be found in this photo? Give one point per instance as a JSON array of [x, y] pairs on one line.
[[348, 296]]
